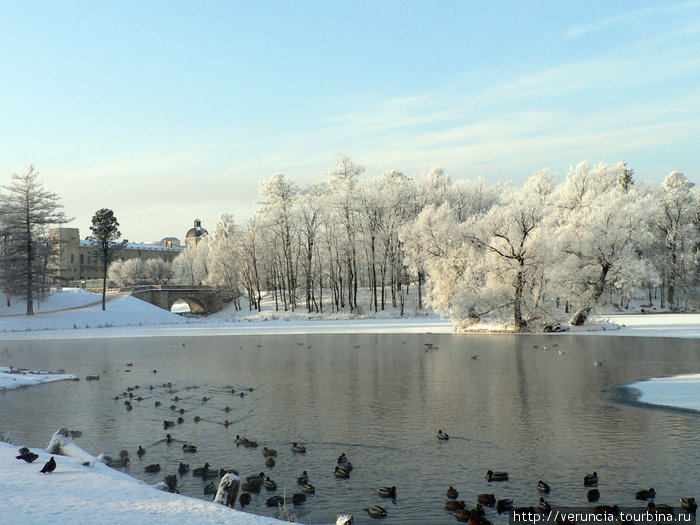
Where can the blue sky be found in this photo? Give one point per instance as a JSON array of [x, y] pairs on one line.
[[168, 111]]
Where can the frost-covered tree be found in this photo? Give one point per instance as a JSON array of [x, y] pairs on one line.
[[190, 267], [157, 271], [679, 236], [510, 250], [27, 210], [601, 229], [224, 259]]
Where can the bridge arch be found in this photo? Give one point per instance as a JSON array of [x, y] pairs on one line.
[[196, 305]]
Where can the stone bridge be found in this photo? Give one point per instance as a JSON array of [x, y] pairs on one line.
[[200, 299]]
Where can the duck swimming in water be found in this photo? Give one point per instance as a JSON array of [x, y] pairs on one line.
[[591, 479], [442, 435], [645, 494], [496, 476], [543, 487], [387, 492], [452, 493], [376, 512], [296, 447], [269, 451]]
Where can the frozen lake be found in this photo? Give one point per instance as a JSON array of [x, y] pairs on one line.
[[539, 414]]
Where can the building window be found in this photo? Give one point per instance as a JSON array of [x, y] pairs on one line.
[[81, 258], [72, 257]]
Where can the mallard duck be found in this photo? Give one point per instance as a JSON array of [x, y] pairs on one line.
[[250, 443], [240, 440], [659, 508], [543, 487], [168, 424], [303, 479], [645, 494], [274, 501], [442, 435], [210, 488], [199, 471], [590, 479], [270, 462], [376, 512], [689, 504], [168, 438], [342, 459], [296, 447], [496, 476], [141, 451], [348, 466], [244, 499], [120, 462], [189, 448], [184, 467], [341, 473], [486, 499], [504, 505], [252, 485], [387, 492], [152, 468], [544, 506], [298, 498], [452, 504], [463, 515], [270, 484], [309, 488], [593, 495], [452, 493], [269, 451]]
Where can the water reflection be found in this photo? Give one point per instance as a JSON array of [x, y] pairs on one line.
[[538, 414]]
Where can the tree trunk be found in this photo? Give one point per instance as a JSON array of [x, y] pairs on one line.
[[518, 301], [582, 314]]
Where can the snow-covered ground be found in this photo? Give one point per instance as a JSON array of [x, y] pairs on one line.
[[14, 378], [81, 495], [678, 391]]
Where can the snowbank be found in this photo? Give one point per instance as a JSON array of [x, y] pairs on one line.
[[75, 494], [14, 378], [679, 391]]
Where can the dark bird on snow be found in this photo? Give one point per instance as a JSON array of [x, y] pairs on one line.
[[49, 467], [28, 456]]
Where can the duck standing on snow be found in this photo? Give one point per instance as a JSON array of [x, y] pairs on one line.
[[27, 455]]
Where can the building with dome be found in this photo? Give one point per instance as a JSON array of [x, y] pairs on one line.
[[195, 234]]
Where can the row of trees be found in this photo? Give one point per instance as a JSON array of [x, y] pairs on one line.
[[542, 252], [536, 253]]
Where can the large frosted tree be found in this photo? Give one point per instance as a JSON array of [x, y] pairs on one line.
[[27, 210]]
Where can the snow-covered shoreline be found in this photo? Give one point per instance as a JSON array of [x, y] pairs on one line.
[[681, 391], [84, 495], [14, 378]]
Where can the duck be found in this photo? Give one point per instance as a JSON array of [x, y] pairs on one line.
[[309, 488], [270, 484], [244, 499], [167, 424], [252, 485], [659, 508], [452, 504], [376, 511], [250, 443], [270, 462], [171, 481], [196, 419], [269, 452], [504, 505], [463, 515], [543, 487], [593, 495], [342, 459], [590, 479], [168, 438], [189, 448], [607, 510], [303, 479], [341, 473], [442, 435], [296, 447], [141, 451], [689, 504], [486, 499], [184, 467], [544, 506], [387, 492], [120, 462], [210, 488], [645, 494], [298, 498], [274, 501], [348, 466], [496, 476], [199, 471], [240, 440], [152, 468], [452, 493]]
